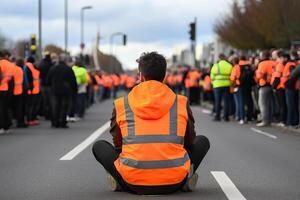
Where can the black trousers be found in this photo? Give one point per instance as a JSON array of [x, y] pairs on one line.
[[4, 110], [106, 154], [194, 95], [46, 102], [280, 98], [17, 109], [248, 102], [60, 108], [32, 106]]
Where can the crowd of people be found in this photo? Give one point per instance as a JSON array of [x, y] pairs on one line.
[[261, 87], [59, 88]]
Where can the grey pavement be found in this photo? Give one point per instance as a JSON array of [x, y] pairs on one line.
[[259, 166]]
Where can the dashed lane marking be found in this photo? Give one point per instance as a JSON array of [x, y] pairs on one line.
[[87, 142], [205, 111], [263, 133], [228, 187]]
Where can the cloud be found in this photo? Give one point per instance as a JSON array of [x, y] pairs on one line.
[[149, 24]]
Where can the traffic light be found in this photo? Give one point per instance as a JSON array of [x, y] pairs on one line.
[[124, 39], [192, 31], [33, 46]]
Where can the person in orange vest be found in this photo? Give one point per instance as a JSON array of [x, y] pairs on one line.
[[130, 83], [116, 84], [27, 88], [234, 85], [279, 87], [17, 99], [156, 148], [178, 77], [34, 95], [107, 85], [291, 93], [263, 77], [242, 78], [171, 80], [193, 87], [5, 77]]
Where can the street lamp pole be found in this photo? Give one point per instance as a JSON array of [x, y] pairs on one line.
[[66, 26], [40, 29], [111, 42], [82, 24]]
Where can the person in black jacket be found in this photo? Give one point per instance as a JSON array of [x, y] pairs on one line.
[[62, 82], [295, 75], [44, 67]]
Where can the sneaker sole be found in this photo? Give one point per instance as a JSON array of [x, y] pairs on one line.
[[112, 183]]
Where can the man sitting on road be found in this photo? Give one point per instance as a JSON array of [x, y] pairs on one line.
[[156, 148]]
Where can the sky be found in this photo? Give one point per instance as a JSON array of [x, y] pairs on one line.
[[151, 25]]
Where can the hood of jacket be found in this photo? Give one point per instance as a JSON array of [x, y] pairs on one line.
[[151, 100]]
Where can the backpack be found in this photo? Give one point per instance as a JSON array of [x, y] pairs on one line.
[[246, 77]]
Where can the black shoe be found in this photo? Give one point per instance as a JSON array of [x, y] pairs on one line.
[[226, 119]]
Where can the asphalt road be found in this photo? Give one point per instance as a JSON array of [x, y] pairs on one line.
[[243, 163]]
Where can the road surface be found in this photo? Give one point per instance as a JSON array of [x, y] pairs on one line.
[[243, 163]]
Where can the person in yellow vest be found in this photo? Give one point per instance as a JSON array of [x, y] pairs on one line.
[[220, 77], [156, 150]]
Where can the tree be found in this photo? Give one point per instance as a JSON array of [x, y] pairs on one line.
[[260, 24], [52, 48]]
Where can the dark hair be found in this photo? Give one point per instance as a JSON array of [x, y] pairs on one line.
[[266, 54], [6, 53], [1, 54], [31, 59], [280, 54], [222, 56], [20, 62], [153, 66]]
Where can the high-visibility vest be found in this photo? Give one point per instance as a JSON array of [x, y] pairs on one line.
[[207, 84], [107, 81], [130, 82], [5, 74], [235, 74], [81, 75], [36, 79], [123, 78], [264, 72], [152, 150], [277, 74], [193, 77], [220, 74], [116, 80], [18, 80], [179, 79], [286, 74], [171, 80]]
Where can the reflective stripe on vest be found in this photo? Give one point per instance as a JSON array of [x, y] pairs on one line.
[[144, 139], [158, 164]]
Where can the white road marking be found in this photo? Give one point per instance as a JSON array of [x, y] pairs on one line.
[[87, 142], [206, 111], [227, 186], [263, 133]]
